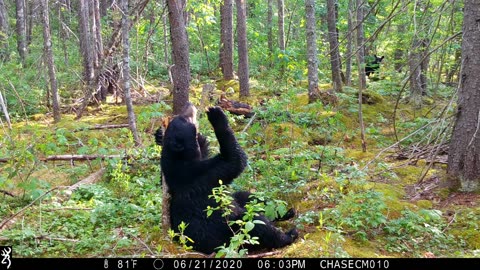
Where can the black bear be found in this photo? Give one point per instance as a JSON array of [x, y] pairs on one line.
[[372, 64], [191, 176]]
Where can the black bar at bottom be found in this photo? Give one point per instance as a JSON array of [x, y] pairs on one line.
[[248, 264]]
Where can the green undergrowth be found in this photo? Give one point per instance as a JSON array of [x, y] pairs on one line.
[[349, 203]]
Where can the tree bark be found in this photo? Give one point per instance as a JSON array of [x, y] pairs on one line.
[[97, 34], [126, 72], [3, 106], [362, 81], [464, 152], [418, 65], [362, 84], [86, 50], [312, 58], [180, 51], [3, 32], [350, 35], [47, 44], [243, 73], [334, 46], [270, 31], [226, 39], [21, 27], [281, 25], [418, 59]]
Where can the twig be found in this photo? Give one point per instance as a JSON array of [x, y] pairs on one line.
[[261, 255], [7, 193], [96, 127], [67, 208], [29, 205], [41, 237], [143, 243], [395, 144], [249, 122]]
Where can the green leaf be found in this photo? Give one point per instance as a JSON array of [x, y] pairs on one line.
[[249, 226]]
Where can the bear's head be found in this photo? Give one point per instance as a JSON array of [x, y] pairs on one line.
[[180, 140]]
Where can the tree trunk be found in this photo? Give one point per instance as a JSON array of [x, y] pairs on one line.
[[86, 48], [464, 152], [47, 43], [418, 65], [226, 39], [362, 84], [243, 74], [165, 39], [334, 46], [349, 54], [21, 30], [97, 34], [126, 72], [3, 32], [362, 81], [281, 25], [32, 10], [270, 32], [3, 105], [312, 58], [399, 54], [87, 51], [181, 69]]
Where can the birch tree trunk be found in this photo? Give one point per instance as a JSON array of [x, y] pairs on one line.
[[3, 105]]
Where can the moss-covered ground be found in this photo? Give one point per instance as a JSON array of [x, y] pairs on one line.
[[349, 203]]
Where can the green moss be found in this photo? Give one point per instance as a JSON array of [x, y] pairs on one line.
[[358, 155], [470, 236], [424, 204], [364, 249], [370, 97], [409, 174]]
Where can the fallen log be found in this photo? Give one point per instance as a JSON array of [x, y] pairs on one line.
[[80, 157], [76, 158], [91, 179], [235, 107], [96, 127]]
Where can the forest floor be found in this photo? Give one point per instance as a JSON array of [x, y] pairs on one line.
[[390, 201]]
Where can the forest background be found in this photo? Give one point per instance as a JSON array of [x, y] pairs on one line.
[[384, 165]]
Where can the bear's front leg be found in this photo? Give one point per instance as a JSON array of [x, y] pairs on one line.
[[232, 160]]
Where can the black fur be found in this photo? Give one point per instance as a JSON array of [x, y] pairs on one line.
[[191, 176], [372, 64]]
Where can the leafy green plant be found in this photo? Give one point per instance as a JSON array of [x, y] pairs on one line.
[[240, 227], [184, 240], [359, 213], [418, 231]]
